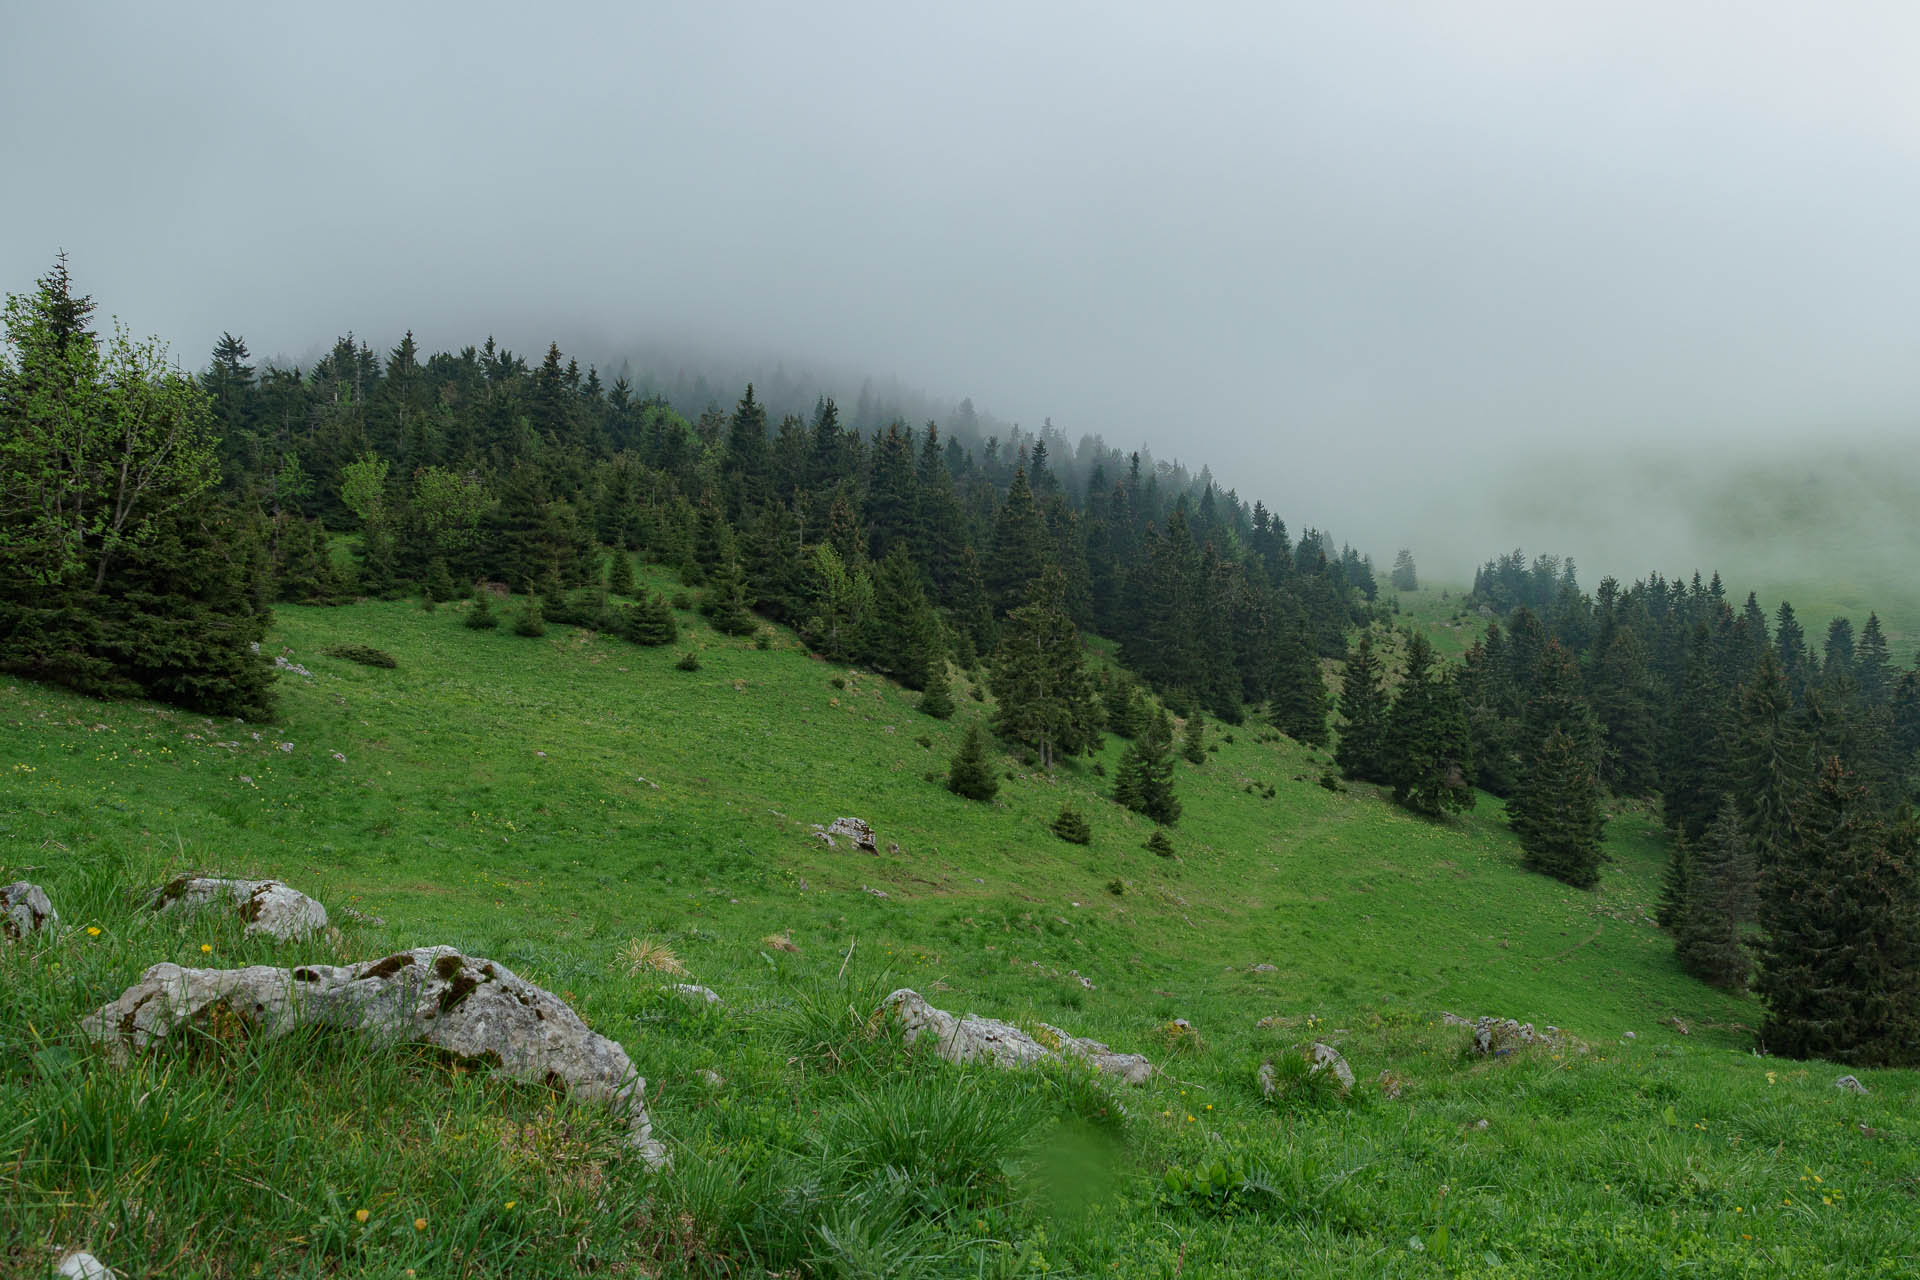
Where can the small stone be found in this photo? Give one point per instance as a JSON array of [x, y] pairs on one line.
[[82, 1266], [711, 1078], [24, 909], [1628, 1035], [693, 993], [1850, 1084], [1264, 968], [270, 908]]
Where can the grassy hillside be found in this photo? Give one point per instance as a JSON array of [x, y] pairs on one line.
[[544, 802]]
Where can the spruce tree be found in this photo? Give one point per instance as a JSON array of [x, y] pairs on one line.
[[1045, 699], [1707, 941], [438, 585], [1404, 577], [1072, 826], [725, 602], [1840, 957], [1556, 812], [1193, 744], [481, 616], [1428, 758], [531, 622], [1673, 884], [970, 773], [937, 699], [1360, 753], [650, 621], [620, 573], [1121, 702], [1299, 702], [1143, 780]]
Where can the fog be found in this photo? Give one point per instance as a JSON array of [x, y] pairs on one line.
[[1458, 276]]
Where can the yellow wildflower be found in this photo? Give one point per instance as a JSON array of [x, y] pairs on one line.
[[359, 1215]]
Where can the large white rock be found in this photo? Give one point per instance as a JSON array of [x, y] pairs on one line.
[[270, 908], [466, 1005], [970, 1038], [24, 909]]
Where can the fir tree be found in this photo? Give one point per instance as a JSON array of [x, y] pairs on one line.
[[1299, 702], [1193, 744], [1143, 780], [1556, 812], [1840, 957], [1072, 826], [531, 622], [1361, 750], [620, 573], [481, 616], [937, 699], [1404, 577], [1158, 843], [650, 621], [1672, 907], [1707, 942], [1019, 548], [1121, 702], [1044, 695], [439, 585], [1428, 759], [970, 774], [725, 603]]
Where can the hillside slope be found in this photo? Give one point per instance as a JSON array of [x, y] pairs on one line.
[[543, 802]]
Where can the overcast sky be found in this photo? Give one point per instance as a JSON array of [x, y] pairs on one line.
[[1371, 262]]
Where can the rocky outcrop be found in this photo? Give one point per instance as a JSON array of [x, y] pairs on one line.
[[469, 1006], [854, 829], [24, 909], [1320, 1057], [270, 908], [1849, 1084], [971, 1038], [1501, 1036]]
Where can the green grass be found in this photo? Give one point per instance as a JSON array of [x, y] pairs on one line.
[[542, 802]]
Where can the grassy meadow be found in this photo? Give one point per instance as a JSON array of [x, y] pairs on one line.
[[547, 802]]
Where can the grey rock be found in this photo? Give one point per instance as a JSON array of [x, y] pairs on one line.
[[1324, 1057], [711, 1078], [692, 993], [24, 909], [80, 1265], [971, 1038], [1455, 1020], [1850, 1084], [467, 1005], [1263, 968], [856, 830], [1501, 1036], [270, 908]]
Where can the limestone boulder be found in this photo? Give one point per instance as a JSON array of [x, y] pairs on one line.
[[471, 1007], [24, 909], [856, 830], [270, 908], [971, 1038]]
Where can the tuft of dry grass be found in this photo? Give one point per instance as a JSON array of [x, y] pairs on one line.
[[780, 942], [645, 953]]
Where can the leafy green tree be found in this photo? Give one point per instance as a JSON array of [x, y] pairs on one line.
[[1429, 760], [1045, 698], [970, 773], [1361, 751], [121, 572], [1143, 780], [1839, 958], [1708, 943]]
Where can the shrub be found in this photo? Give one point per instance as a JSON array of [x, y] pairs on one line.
[[365, 655], [649, 621], [530, 622], [1158, 843], [763, 640], [481, 616], [1072, 827], [682, 601], [689, 661]]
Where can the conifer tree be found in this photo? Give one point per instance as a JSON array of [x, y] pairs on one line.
[[937, 699], [900, 634], [1121, 702], [649, 621], [1624, 702], [1404, 577], [1672, 907], [1428, 758], [620, 573], [1045, 698], [1019, 548], [531, 622], [1556, 811], [725, 603], [1707, 941], [439, 585], [1840, 957], [1193, 744], [1299, 702], [481, 616], [1360, 753], [1143, 780], [970, 773], [1072, 826]]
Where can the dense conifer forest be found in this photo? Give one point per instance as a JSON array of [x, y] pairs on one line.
[[152, 518]]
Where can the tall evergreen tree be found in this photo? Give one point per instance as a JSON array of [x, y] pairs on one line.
[[1361, 751], [970, 774], [1556, 811], [1840, 958], [1020, 543], [1143, 780], [1708, 943], [1429, 760], [1299, 701], [1045, 698]]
